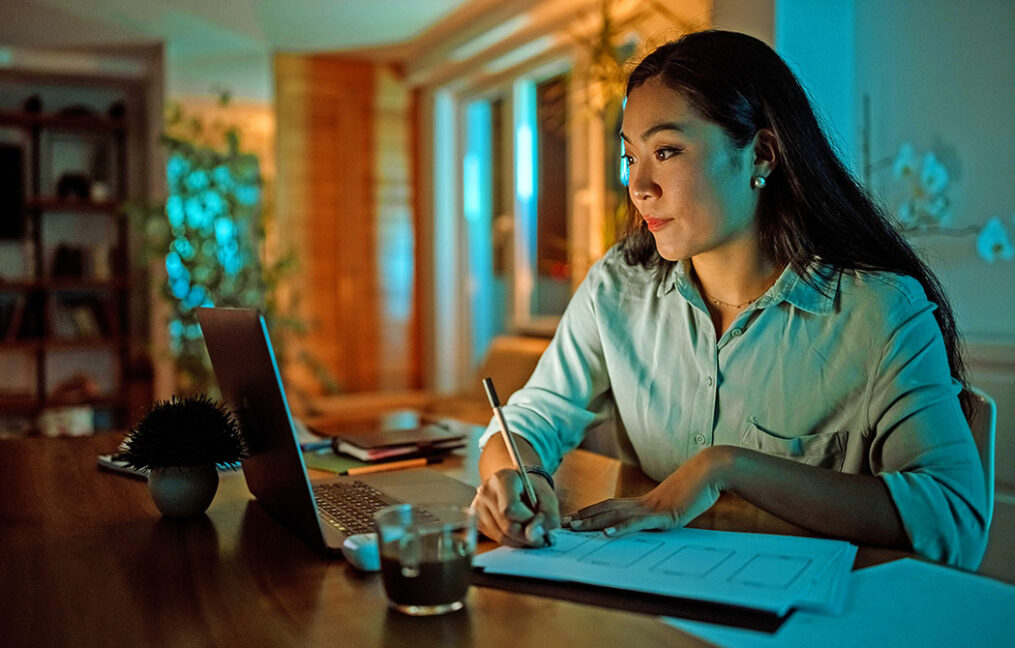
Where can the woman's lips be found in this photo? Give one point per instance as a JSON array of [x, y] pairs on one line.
[[655, 224]]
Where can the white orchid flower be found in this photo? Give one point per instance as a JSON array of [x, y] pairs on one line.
[[905, 213], [934, 175], [905, 162], [993, 242]]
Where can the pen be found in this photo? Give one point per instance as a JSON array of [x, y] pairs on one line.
[[418, 462], [509, 441]]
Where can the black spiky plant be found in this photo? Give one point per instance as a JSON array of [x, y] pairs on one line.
[[192, 432]]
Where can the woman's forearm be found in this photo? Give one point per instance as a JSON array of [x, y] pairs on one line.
[[495, 455], [853, 507]]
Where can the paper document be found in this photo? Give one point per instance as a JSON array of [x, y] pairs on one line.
[[902, 603], [765, 572]]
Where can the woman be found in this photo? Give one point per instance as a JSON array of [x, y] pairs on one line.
[[762, 330]]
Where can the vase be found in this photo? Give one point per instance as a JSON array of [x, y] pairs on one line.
[[183, 491]]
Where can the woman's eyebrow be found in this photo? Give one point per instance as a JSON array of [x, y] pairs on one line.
[[665, 126]]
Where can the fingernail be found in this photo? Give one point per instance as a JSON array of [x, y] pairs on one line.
[[537, 531], [566, 520], [610, 530]]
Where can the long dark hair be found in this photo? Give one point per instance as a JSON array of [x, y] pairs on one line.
[[811, 208]]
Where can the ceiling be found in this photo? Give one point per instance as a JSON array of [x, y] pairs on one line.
[[210, 44], [201, 27]]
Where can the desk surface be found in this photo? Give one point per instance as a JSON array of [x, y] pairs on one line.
[[85, 559]]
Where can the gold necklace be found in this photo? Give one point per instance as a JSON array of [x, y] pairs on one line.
[[719, 302]]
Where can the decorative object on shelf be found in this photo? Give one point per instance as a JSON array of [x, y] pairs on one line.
[[67, 421], [80, 316], [76, 389], [182, 442], [13, 222], [73, 186], [117, 110], [68, 261], [33, 104], [100, 191]]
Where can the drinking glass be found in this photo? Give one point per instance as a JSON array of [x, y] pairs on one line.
[[426, 556]]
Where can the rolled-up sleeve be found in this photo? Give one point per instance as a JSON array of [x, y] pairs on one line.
[[922, 447], [551, 411]]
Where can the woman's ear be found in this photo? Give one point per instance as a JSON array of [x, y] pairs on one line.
[[766, 152]]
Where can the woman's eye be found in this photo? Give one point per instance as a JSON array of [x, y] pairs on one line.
[[665, 153]]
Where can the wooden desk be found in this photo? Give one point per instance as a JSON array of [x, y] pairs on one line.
[[85, 559]]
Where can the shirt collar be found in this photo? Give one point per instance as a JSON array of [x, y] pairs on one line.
[[816, 293]]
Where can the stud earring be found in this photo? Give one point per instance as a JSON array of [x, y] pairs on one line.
[[758, 182]]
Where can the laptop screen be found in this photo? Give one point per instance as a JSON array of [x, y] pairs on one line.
[[248, 376]]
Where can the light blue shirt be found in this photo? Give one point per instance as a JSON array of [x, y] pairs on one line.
[[849, 374]]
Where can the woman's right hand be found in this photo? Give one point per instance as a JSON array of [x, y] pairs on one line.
[[503, 515]]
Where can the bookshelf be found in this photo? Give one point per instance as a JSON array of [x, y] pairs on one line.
[[65, 289]]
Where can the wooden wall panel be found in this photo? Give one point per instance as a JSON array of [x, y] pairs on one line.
[[327, 214]]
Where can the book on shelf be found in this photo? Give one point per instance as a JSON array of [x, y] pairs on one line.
[[385, 440], [12, 311], [79, 317]]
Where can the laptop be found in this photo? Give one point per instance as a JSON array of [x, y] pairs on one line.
[[324, 512]]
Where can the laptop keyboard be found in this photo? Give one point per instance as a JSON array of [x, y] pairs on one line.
[[350, 507]]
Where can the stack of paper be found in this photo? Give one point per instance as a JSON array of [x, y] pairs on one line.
[[771, 573]]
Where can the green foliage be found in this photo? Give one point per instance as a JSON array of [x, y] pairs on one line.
[[188, 432], [209, 233]]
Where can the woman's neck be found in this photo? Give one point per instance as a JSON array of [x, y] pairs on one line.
[[735, 275]]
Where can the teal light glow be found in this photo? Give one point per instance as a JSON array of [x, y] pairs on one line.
[[625, 169], [477, 200], [526, 223], [470, 187], [212, 208], [525, 162]]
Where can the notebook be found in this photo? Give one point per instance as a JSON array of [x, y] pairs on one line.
[[401, 435], [324, 512]]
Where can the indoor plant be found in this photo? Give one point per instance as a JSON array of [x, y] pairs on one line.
[[182, 442]]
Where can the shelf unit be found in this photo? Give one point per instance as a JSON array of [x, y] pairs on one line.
[[87, 309]]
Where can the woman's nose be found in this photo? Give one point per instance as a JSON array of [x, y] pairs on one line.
[[641, 184]]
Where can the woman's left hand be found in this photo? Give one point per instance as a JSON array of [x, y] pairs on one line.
[[678, 499]]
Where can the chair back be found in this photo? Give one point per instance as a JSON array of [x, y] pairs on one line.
[[509, 361], [983, 424]]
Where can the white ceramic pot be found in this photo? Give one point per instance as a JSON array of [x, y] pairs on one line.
[[183, 491]]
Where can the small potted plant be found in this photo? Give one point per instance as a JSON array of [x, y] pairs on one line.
[[181, 443]]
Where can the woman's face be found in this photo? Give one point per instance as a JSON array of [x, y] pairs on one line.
[[690, 184]]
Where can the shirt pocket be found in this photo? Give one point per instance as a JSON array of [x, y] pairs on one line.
[[822, 449]]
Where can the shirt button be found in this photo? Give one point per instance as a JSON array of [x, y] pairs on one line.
[[737, 332], [699, 439], [709, 381]]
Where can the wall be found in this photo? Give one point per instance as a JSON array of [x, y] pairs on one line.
[[939, 74], [327, 214], [396, 240], [345, 196], [816, 39]]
